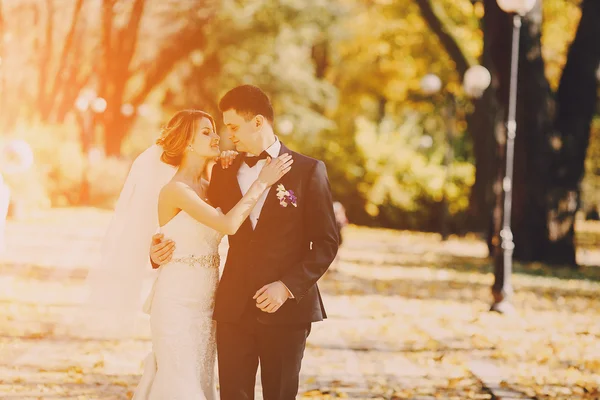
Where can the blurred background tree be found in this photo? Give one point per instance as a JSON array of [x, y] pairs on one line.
[[88, 84]]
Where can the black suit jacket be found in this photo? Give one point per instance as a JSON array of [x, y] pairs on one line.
[[293, 244]]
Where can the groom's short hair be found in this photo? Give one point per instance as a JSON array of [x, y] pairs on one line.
[[248, 101]]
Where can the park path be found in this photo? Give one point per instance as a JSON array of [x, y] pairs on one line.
[[400, 326]]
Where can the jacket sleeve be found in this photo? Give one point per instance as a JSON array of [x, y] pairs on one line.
[[213, 191], [321, 230]]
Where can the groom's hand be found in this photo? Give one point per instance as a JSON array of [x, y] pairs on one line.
[[161, 251], [271, 297]]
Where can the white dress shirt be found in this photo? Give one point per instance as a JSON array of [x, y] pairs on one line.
[[247, 175]]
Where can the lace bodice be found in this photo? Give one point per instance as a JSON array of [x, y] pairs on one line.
[[192, 239], [182, 363]]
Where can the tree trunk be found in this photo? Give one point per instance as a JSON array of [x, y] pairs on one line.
[[496, 29], [480, 125], [43, 105], [118, 50], [189, 38], [64, 76], [78, 79], [116, 129], [321, 58], [535, 120], [544, 205], [534, 98], [576, 105], [485, 126]]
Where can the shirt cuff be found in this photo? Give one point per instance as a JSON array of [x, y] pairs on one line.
[[288, 289]]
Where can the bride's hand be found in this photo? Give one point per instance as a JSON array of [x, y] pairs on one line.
[[227, 157], [275, 169]]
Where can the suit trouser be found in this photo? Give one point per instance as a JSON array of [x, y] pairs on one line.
[[279, 348]]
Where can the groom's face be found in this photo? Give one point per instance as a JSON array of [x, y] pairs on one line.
[[242, 133]]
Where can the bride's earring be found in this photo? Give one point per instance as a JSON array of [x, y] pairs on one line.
[[190, 148]]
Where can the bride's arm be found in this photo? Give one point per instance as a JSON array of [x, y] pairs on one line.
[[180, 195]]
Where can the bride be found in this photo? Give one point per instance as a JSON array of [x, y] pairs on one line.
[[168, 178]]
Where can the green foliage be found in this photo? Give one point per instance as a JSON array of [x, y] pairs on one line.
[[343, 76], [58, 171], [268, 43], [405, 183], [560, 23]]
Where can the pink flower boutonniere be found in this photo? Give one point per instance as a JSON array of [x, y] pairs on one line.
[[286, 196]]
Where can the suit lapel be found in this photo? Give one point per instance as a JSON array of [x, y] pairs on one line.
[[272, 202]]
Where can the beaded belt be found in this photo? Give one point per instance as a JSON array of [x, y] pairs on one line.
[[208, 261]]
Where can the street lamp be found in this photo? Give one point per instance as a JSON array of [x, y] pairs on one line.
[[502, 288], [517, 7], [431, 84], [476, 80]]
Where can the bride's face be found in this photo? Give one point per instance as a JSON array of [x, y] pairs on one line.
[[206, 140]]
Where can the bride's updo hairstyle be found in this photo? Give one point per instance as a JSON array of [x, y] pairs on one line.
[[179, 133]]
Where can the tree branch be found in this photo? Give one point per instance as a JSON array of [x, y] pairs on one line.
[[128, 37], [191, 38], [60, 77], [578, 92], [78, 74], [44, 65], [439, 25], [107, 31]]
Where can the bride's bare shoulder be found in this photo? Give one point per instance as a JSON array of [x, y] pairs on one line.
[[175, 189], [176, 185]]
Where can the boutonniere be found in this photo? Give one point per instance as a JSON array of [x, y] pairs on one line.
[[286, 196]]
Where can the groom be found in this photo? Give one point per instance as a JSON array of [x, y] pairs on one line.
[[268, 295]]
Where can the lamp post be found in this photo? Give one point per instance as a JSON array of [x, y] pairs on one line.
[[476, 80], [502, 288]]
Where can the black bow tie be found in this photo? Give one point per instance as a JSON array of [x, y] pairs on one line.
[[252, 160]]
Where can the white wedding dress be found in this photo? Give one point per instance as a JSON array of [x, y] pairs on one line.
[[182, 362]]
